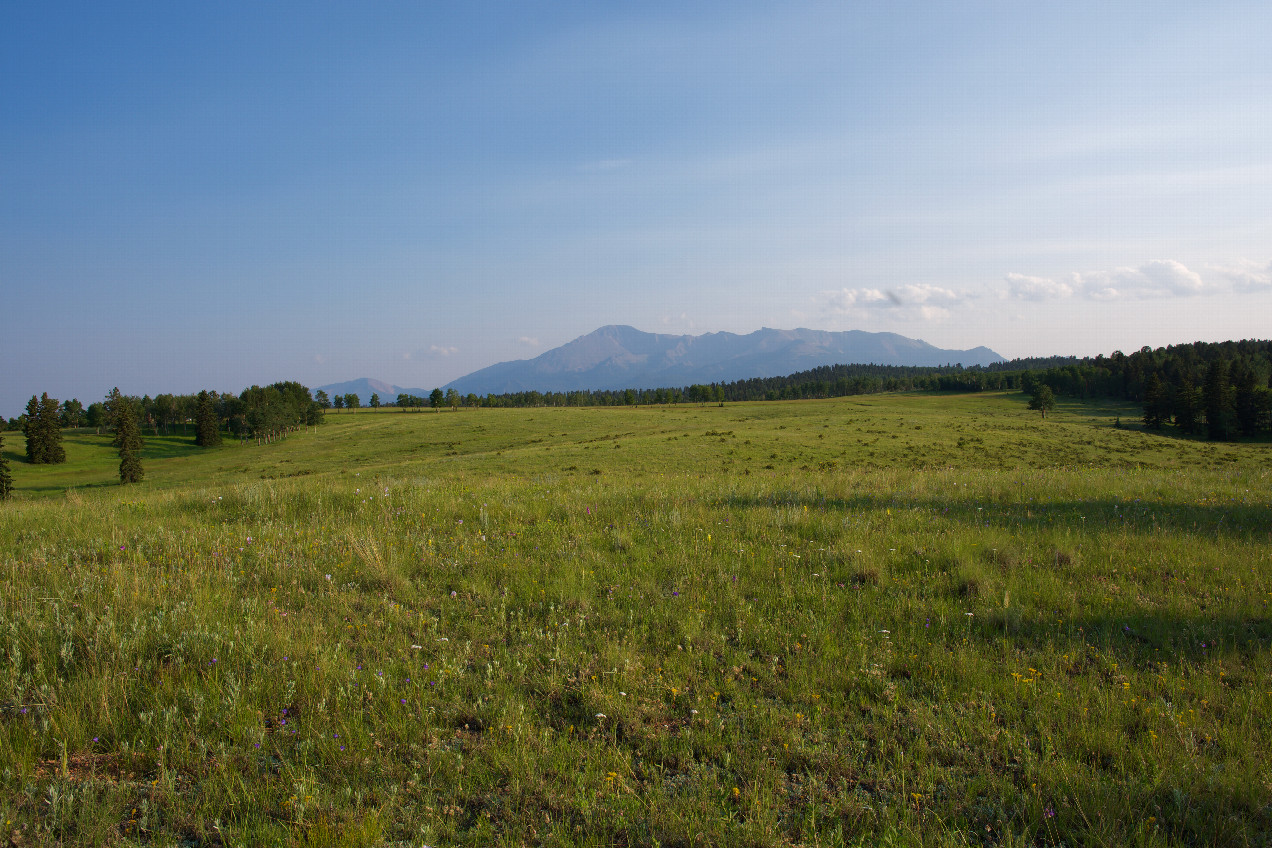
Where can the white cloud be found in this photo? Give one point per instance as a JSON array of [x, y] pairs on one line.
[[319, 358], [1036, 288], [1155, 279], [1247, 276], [1102, 294], [528, 341], [1159, 278], [926, 301], [438, 350]]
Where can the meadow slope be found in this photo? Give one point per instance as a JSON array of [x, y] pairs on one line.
[[909, 619]]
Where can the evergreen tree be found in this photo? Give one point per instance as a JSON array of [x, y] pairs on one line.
[[1217, 397], [6, 479], [37, 453], [1187, 406], [128, 438], [1156, 403], [51, 424], [1245, 397], [113, 402], [207, 432]]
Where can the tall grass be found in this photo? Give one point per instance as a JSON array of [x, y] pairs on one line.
[[1052, 634]]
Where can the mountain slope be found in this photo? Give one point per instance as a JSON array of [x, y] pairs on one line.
[[364, 388], [619, 357]]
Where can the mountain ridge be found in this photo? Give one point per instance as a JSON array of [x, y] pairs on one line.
[[618, 356]]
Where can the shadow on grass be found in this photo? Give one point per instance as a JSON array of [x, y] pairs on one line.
[[1244, 521], [1140, 638]]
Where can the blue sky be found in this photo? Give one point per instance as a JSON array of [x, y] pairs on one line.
[[215, 195]]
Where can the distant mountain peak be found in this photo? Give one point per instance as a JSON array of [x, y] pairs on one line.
[[618, 356]]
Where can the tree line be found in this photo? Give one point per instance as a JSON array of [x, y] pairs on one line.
[[264, 414], [822, 382], [261, 413], [1220, 389]]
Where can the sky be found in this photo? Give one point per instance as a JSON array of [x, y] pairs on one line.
[[215, 195]]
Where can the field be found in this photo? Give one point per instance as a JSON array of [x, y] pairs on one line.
[[912, 619]]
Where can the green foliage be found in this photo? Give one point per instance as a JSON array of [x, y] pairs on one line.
[[1156, 404], [71, 413], [375, 400], [1043, 400], [206, 426], [435, 398], [6, 477], [1217, 397], [51, 424], [43, 431], [271, 413], [36, 450], [1187, 406], [128, 440], [1231, 401]]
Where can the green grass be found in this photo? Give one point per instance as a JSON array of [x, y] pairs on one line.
[[894, 619]]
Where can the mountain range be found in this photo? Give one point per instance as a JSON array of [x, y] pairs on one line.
[[622, 357]]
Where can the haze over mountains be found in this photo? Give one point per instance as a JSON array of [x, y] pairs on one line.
[[622, 357]]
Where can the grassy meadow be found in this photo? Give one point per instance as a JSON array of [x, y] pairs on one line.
[[904, 620]]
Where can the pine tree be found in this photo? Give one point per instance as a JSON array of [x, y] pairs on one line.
[[1156, 403], [207, 432], [1187, 406], [1217, 397], [128, 438], [51, 424], [6, 479], [113, 402], [35, 447], [1245, 397]]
